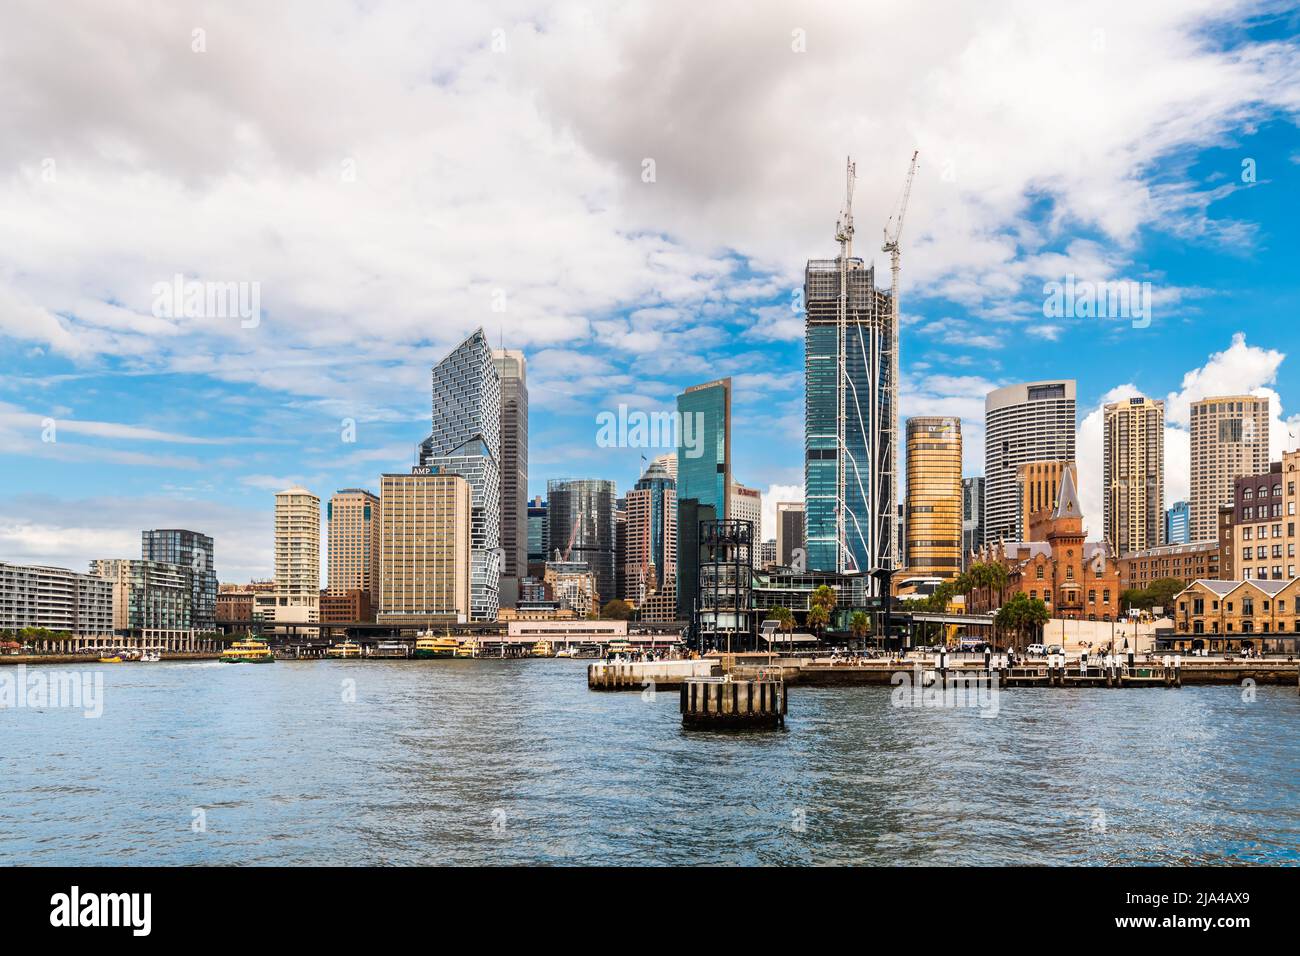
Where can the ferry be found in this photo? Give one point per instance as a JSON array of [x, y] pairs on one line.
[[392, 649], [542, 649], [247, 652], [566, 651], [467, 648], [620, 647], [428, 647], [348, 650]]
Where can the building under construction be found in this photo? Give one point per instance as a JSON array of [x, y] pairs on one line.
[[851, 412]]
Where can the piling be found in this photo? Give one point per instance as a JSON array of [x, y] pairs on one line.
[[721, 702]]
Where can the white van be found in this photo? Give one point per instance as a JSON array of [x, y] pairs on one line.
[[1035, 650]]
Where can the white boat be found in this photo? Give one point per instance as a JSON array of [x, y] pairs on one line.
[[150, 657], [566, 652]]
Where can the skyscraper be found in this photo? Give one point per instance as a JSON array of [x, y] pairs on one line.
[[1037, 485], [651, 549], [934, 497], [1178, 523], [466, 441], [426, 535], [1229, 440], [703, 476], [746, 504], [297, 556], [972, 516], [196, 552], [789, 531], [1032, 421], [1133, 474], [849, 420], [353, 545], [539, 534], [512, 367], [581, 515]]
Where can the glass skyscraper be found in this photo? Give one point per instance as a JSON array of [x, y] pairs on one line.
[[194, 551], [582, 512], [703, 475], [856, 404], [466, 440]]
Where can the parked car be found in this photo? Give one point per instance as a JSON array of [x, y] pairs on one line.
[[1036, 650], [1054, 648]]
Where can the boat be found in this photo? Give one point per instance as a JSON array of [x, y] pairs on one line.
[[348, 650], [392, 650], [567, 651], [542, 649], [620, 647], [247, 652], [428, 647], [115, 659], [467, 648], [152, 657]]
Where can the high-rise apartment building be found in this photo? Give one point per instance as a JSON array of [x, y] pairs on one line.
[[196, 552], [934, 498], [353, 517], [1133, 474], [55, 599], [297, 556], [789, 531], [426, 547], [650, 553], [582, 517], [703, 475], [513, 370], [972, 516], [151, 599], [850, 424], [466, 440], [1229, 440], [1178, 523], [1037, 485], [746, 504], [1027, 422]]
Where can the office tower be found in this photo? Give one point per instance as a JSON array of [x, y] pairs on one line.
[[767, 553], [746, 504], [620, 548], [297, 556], [1264, 521], [789, 531], [1229, 440], [426, 547], [512, 368], [55, 599], [703, 472], [1037, 485], [934, 498], [668, 462], [581, 515], [1032, 421], [850, 438], [538, 537], [972, 516], [573, 586], [691, 516], [151, 599], [651, 550], [1178, 523], [195, 551], [1133, 474], [466, 440], [353, 517]]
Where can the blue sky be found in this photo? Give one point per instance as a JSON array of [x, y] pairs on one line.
[[429, 176]]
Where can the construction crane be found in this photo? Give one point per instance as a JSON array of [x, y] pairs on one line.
[[891, 245], [573, 534], [844, 236]]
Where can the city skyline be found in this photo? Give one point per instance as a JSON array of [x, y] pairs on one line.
[[116, 415]]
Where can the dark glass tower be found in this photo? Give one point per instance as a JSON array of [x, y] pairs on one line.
[[194, 551]]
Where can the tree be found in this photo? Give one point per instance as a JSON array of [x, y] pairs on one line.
[[616, 610], [859, 625], [1159, 593], [818, 618], [1022, 616]]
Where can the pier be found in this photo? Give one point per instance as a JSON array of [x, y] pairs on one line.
[[634, 675]]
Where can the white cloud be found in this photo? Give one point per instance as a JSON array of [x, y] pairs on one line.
[[774, 494]]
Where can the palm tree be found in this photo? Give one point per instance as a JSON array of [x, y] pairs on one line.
[[818, 618], [859, 625], [784, 618]]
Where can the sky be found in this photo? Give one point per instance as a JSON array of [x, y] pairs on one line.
[[629, 196]]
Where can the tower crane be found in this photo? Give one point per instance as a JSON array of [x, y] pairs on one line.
[[891, 245]]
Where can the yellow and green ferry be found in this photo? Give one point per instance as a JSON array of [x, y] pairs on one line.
[[348, 650], [429, 647], [247, 652]]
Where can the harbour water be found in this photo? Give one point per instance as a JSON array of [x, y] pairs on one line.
[[516, 762]]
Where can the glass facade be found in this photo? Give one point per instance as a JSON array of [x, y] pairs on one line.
[[582, 511], [194, 551], [703, 474]]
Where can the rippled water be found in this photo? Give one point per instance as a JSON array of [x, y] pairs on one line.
[[516, 762]]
